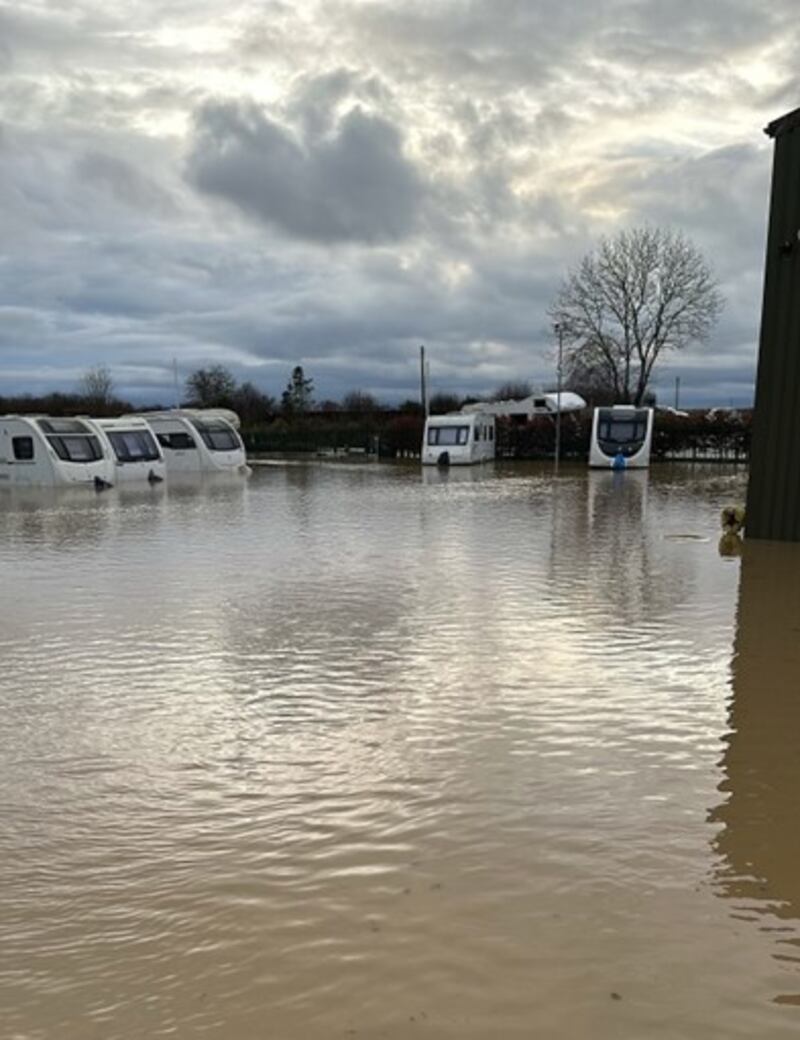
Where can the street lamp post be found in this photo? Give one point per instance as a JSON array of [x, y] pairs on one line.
[[559, 330], [423, 382]]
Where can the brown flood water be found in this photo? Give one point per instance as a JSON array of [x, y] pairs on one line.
[[365, 752]]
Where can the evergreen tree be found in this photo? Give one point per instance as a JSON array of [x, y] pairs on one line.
[[298, 398]]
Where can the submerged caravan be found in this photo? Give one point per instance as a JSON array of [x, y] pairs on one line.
[[41, 451], [458, 438], [132, 447], [468, 436], [48, 451], [199, 440], [621, 437]]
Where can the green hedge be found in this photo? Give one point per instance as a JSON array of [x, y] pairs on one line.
[[699, 435]]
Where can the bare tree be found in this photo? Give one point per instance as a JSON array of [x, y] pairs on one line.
[[638, 294], [211, 387], [252, 405], [585, 377], [442, 403], [96, 388], [513, 391], [360, 401]]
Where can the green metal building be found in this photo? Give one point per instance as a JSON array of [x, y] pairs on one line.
[[773, 494]]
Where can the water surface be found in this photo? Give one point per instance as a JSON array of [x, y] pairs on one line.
[[365, 751]]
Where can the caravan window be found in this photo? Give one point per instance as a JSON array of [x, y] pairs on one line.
[[448, 435], [76, 448], [23, 448], [71, 440], [217, 435], [134, 446], [62, 426], [175, 441], [622, 431]]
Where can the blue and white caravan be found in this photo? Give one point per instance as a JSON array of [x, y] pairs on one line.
[[621, 437]]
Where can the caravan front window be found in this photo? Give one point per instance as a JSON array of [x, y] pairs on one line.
[[217, 435], [134, 446], [62, 426], [447, 436], [622, 431], [70, 440], [76, 448]]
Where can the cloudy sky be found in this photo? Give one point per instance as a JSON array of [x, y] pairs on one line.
[[333, 183]]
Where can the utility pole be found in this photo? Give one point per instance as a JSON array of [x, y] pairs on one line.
[[677, 391], [559, 330], [423, 386]]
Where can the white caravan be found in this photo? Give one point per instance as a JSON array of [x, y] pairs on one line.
[[528, 408], [40, 451], [132, 446], [621, 437], [458, 438], [198, 441]]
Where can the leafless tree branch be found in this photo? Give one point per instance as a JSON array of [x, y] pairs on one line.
[[643, 292]]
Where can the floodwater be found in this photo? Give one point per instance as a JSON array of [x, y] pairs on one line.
[[357, 751]]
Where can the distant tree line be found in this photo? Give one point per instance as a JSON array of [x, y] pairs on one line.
[[297, 422], [95, 395], [216, 387], [636, 296]]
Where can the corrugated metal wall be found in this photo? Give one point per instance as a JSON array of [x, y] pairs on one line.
[[773, 495]]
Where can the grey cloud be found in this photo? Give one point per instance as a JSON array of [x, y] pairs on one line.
[[61, 34], [354, 185], [720, 198], [125, 183], [314, 99], [534, 41], [685, 33], [784, 97]]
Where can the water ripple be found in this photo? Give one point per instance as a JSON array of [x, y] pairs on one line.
[[351, 751]]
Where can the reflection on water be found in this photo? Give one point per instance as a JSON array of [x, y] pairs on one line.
[[369, 751], [759, 842], [438, 475]]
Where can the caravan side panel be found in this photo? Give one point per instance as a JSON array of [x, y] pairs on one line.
[[24, 458]]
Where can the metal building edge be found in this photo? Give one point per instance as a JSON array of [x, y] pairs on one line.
[[773, 494]]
